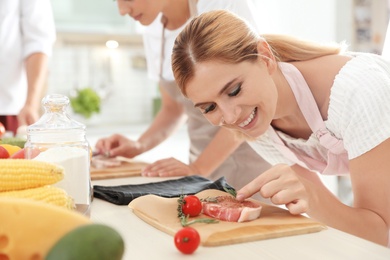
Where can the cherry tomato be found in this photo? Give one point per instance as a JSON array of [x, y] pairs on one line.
[[2, 130], [191, 206], [187, 240], [3, 153]]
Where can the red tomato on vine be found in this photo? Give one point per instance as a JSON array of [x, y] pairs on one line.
[[191, 206]]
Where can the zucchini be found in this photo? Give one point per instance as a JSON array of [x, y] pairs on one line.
[[92, 242]]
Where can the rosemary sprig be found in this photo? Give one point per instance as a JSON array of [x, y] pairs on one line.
[[185, 222], [179, 206], [231, 191]]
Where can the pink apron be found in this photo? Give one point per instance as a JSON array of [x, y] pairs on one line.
[[337, 161]]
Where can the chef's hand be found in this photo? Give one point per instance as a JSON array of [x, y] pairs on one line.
[[28, 115], [118, 145], [167, 168], [282, 185]]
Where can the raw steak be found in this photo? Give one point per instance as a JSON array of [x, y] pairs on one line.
[[101, 161], [227, 208]]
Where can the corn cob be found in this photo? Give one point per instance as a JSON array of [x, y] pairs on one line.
[[19, 174], [49, 194], [30, 228]]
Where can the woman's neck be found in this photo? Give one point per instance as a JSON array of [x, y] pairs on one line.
[[289, 118], [286, 105], [177, 12]]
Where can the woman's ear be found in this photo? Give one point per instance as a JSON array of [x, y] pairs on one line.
[[266, 56]]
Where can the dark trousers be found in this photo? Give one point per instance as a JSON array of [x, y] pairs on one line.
[[10, 123]]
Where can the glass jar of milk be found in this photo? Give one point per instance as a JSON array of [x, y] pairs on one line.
[[62, 140]]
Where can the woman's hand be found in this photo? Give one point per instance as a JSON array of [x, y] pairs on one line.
[[282, 185], [118, 145], [167, 168]]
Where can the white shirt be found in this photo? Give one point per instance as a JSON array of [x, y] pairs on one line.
[[26, 27], [386, 46], [358, 114], [152, 34]]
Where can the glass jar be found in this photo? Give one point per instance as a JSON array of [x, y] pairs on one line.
[[62, 140]]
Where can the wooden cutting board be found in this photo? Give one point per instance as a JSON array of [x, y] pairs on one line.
[[273, 222], [126, 169]]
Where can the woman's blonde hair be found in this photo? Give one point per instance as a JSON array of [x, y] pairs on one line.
[[222, 36]]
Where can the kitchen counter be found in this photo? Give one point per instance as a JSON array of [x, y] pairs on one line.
[[143, 241]]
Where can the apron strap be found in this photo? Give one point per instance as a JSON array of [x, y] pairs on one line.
[[193, 8], [164, 20], [309, 108]]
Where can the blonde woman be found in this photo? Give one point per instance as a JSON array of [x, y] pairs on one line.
[[214, 152], [304, 107]]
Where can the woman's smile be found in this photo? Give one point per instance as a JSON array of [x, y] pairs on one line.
[[249, 122]]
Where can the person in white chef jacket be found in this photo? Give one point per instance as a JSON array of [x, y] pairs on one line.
[[27, 35], [214, 152]]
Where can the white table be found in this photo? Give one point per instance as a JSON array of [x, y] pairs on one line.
[[146, 242]]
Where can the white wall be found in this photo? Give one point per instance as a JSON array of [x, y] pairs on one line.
[[317, 20], [90, 16]]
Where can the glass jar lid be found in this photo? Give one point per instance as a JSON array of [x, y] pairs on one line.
[[55, 125]]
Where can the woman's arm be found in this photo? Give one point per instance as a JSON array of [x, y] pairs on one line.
[[369, 217], [219, 148], [170, 117], [364, 220], [370, 178], [303, 192], [217, 151]]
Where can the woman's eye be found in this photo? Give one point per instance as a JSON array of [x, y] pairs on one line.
[[235, 91], [209, 108]]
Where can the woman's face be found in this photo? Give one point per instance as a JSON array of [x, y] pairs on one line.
[[239, 96], [143, 11]]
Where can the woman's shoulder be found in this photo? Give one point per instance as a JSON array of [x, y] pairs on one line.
[[319, 75], [326, 65], [359, 107], [364, 79]]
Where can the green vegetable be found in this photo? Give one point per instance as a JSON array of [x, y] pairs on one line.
[[92, 242], [86, 102], [18, 141]]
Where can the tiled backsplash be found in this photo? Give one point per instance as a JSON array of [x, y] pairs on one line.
[[126, 91]]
